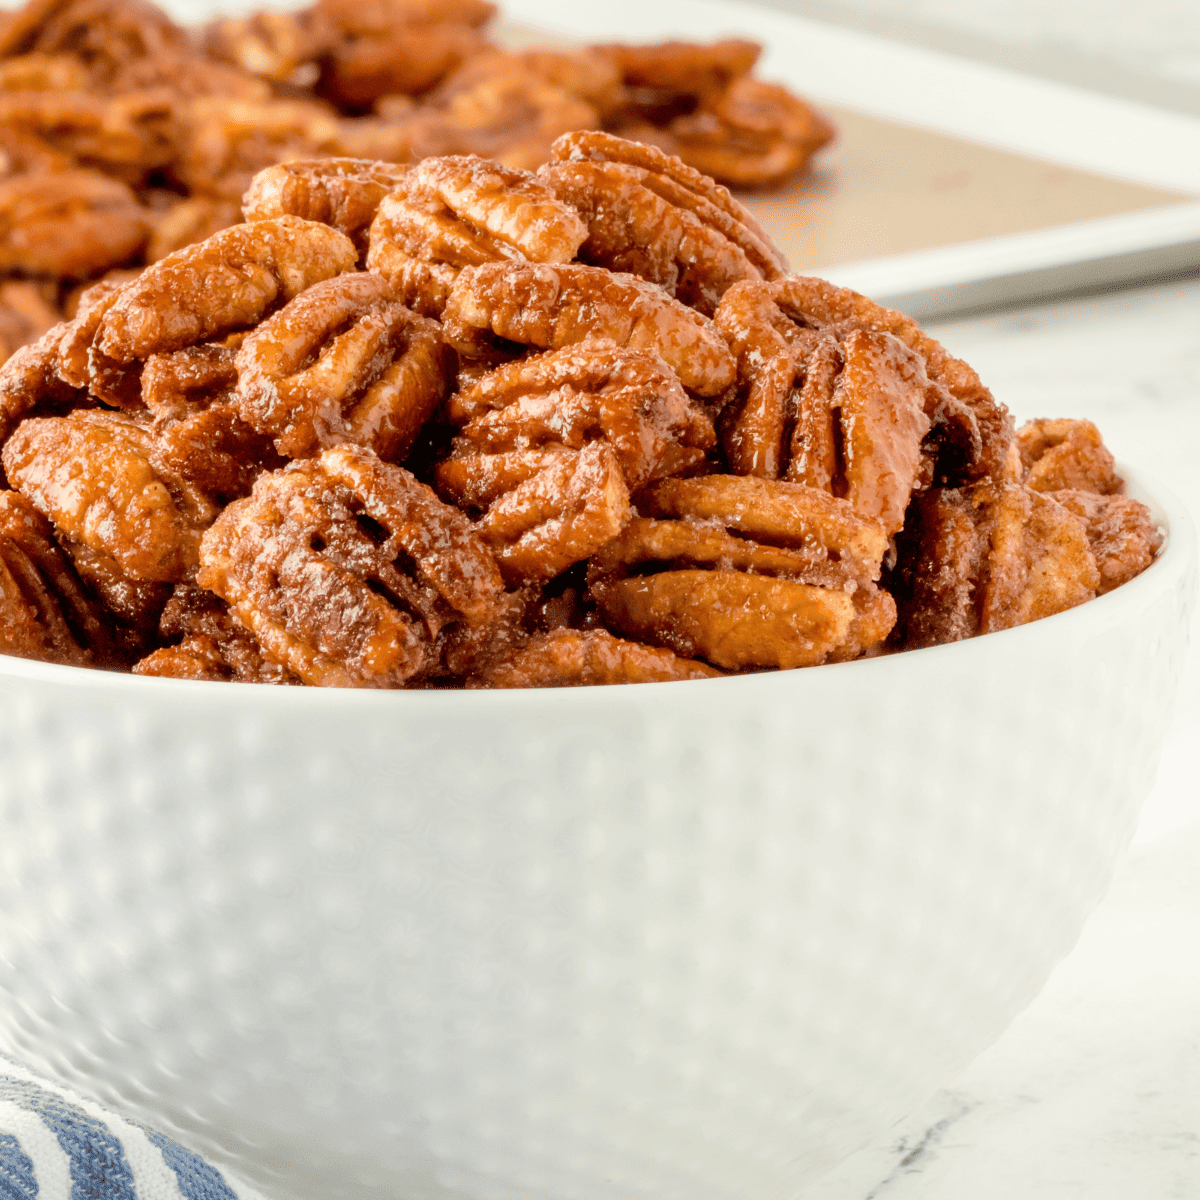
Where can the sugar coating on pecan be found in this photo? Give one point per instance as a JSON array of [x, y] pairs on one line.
[[550, 307], [566, 398], [91, 474], [345, 569], [30, 383], [45, 611], [342, 192], [1065, 454], [582, 658], [343, 361], [226, 283], [988, 557]]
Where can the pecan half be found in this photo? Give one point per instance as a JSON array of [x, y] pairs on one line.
[[226, 283], [342, 192], [343, 361], [581, 658], [346, 569], [68, 224], [91, 473], [988, 557], [1121, 533], [555, 306], [456, 212]]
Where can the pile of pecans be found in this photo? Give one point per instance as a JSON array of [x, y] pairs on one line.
[[124, 137], [468, 425]]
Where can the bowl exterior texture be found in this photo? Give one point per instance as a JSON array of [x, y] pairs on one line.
[[685, 941]]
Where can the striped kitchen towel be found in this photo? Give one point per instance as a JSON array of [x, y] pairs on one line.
[[55, 1145]]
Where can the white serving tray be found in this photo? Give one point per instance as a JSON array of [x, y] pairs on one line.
[[1052, 122]]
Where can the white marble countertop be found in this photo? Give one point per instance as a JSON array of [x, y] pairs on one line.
[[1094, 1091]]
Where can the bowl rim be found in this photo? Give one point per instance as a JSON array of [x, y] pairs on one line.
[[1174, 560]]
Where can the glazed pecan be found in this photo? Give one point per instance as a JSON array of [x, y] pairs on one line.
[[580, 658], [555, 306], [652, 215], [179, 384], [346, 569], [343, 361], [755, 135], [671, 79], [566, 398], [1064, 454], [342, 192], [273, 45], [746, 572], [988, 557], [462, 211], [68, 224], [91, 474], [790, 340], [230, 140], [81, 363], [37, 72], [127, 136], [226, 283], [208, 643], [45, 612], [1121, 532]]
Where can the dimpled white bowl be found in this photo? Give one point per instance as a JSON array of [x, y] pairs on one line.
[[694, 940]]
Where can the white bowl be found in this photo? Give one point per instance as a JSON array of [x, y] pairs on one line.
[[686, 940]]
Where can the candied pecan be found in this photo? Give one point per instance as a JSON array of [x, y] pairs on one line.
[[223, 284], [346, 569], [405, 60], [1064, 454], [25, 315], [579, 658], [230, 140], [126, 136], [670, 79], [343, 361], [132, 605], [24, 153], [455, 212], [733, 619], [91, 474], [652, 215], [68, 224], [274, 45], [749, 524], [208, 643], [342, 192], [567, 398], [1121, 532], [755, 135], [988, 557], [45, 612], [82, 364], [547, 509], [746, 572], [189, 221], [555, 306], [774, 328]]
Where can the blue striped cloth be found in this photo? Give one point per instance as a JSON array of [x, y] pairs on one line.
[[56, 1145]]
